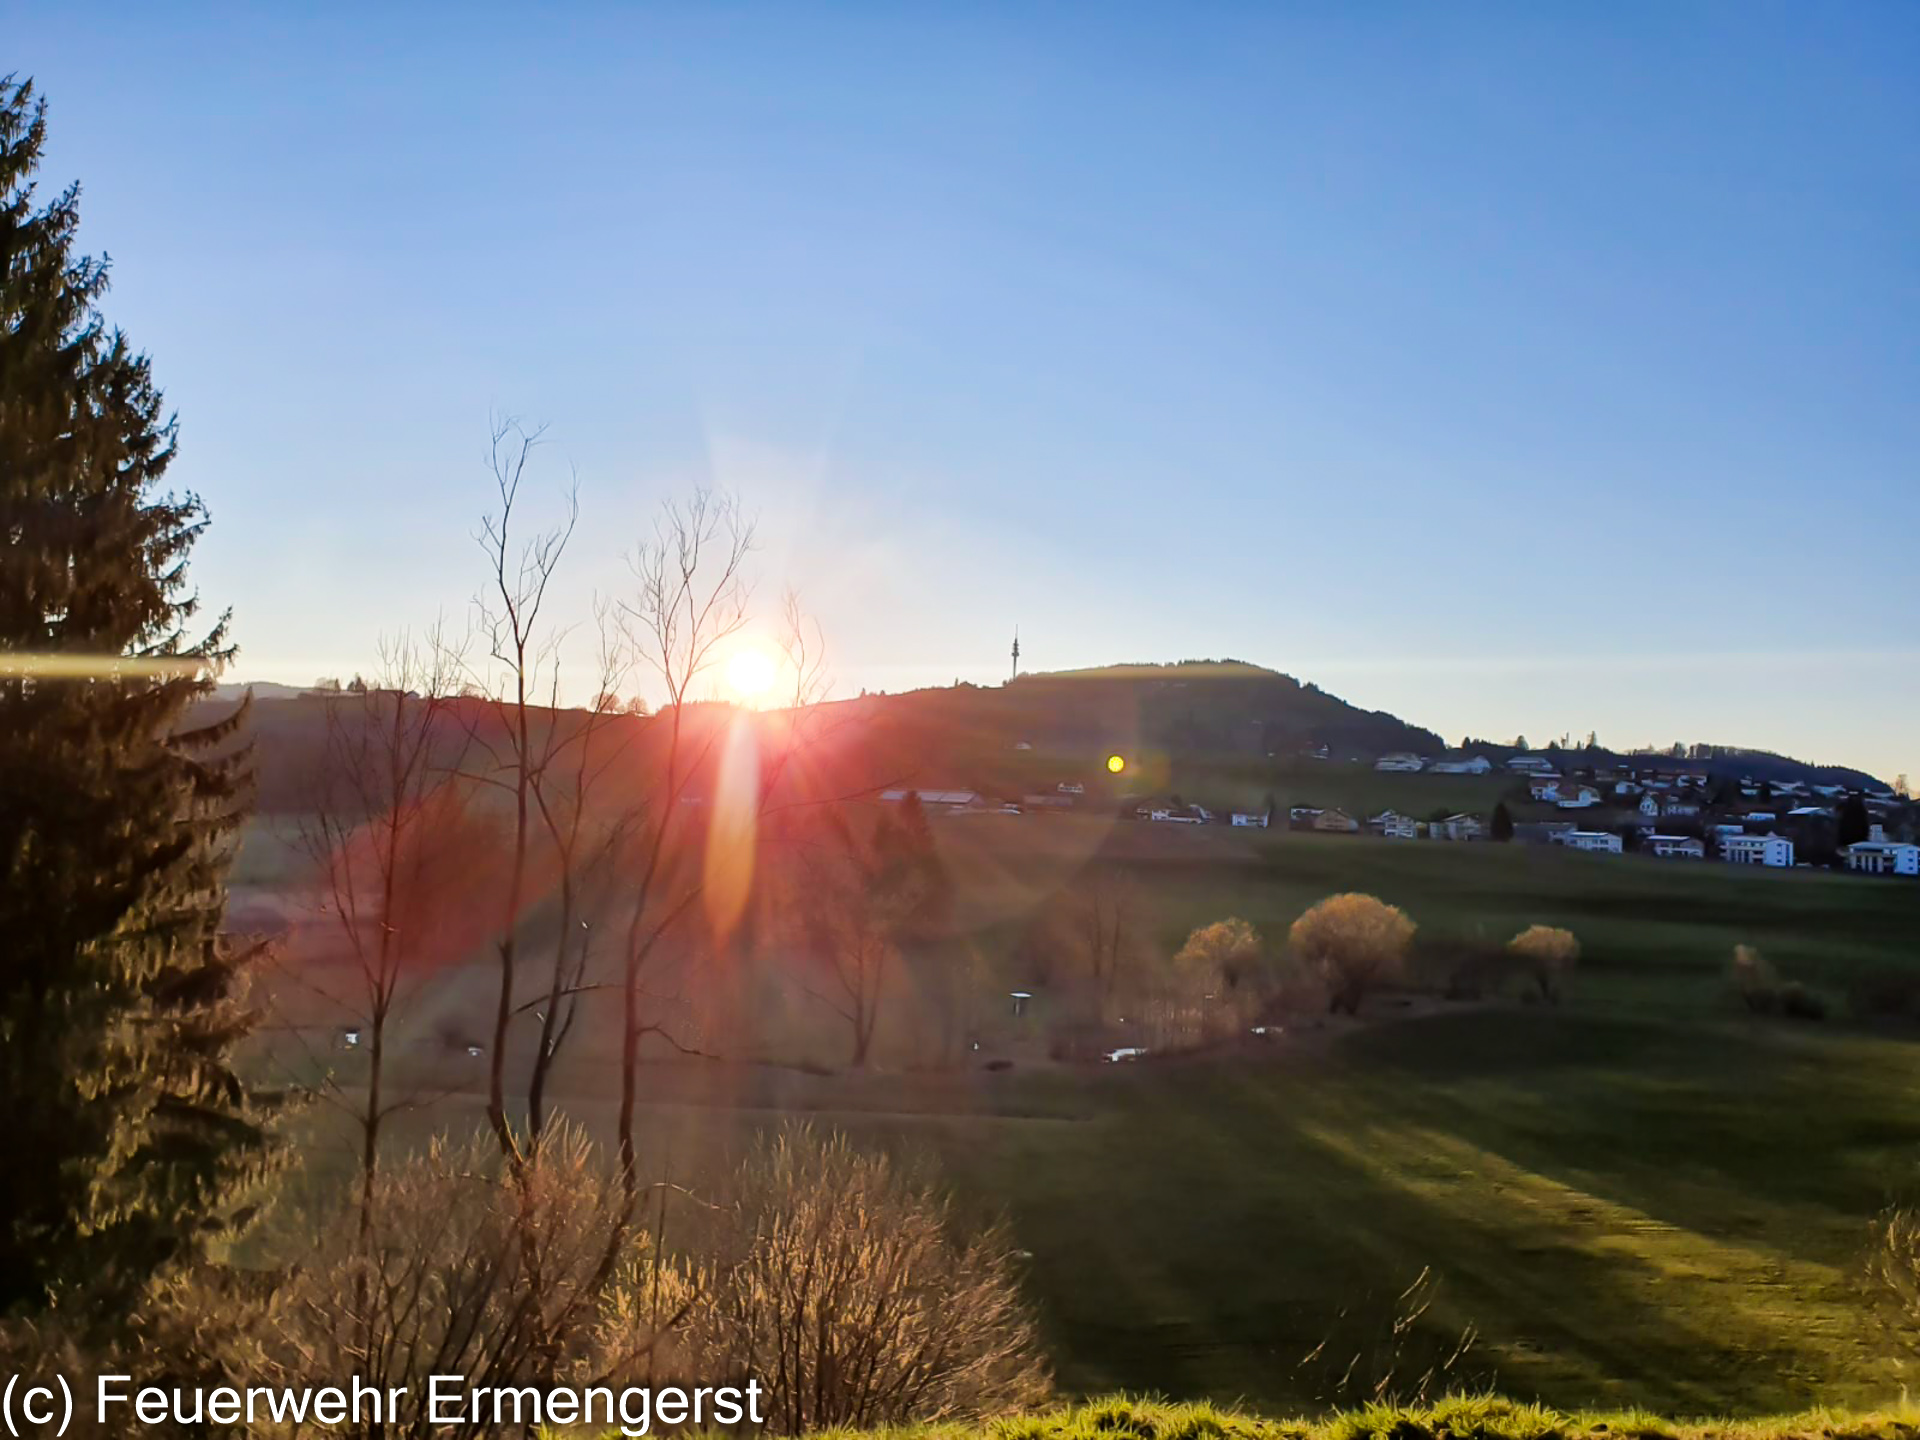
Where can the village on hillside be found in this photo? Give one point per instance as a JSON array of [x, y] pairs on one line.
[[1635, 805], [1662, 812]]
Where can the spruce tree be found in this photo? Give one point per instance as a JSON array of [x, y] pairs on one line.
[[1855, 823], [132, 1143]]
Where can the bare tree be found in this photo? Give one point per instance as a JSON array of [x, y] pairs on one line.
[[397, 858], [563, 788], [1351, 943], [691, 598], [1548, 954], [853, 901], [523, 645], [1101, 930], [1214, 988]]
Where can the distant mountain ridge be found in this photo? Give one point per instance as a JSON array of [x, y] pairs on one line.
[[1213, 710]]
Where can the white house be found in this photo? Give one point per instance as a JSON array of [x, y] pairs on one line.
[[1532, 765], [1683, 807], [1883, 857], [936, 799], [1758, 817], [1394, 826], [1567, 794], [1456, 827], [1600, 842], [1774, 850], [1541, 832], [1650, 806], [1471, 765], [1676, 847], [1401, 762], [1256, 822]]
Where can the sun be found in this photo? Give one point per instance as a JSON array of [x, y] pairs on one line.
[[1116, 763], [751, 673]]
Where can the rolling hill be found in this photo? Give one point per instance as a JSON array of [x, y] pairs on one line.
[[1039, 728]]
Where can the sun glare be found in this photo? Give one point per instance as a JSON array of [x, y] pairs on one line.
[[1115, 764], [751, 673]]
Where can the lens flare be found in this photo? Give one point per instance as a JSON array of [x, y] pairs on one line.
[[732, 829], [1116, 763], [31, 666]]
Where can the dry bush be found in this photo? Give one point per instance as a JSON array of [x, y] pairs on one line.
[[1351, 943], [1762, 990], [1548, 953], [468, 1268], [1754, 980], [194, 1329], [840, 1285], [1893, 1274], [1218, 983]]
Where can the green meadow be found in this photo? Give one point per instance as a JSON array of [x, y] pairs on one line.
[[1643, 1196], [1121, 1417]]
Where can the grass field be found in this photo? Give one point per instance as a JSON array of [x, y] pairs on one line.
[[1484, 1418], [1657, 935], [1625, 1213], [1641, 1197]]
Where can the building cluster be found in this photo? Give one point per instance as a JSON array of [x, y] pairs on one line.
[[1388, 824], [1682, 814], [1655, 810], [1066, 796]]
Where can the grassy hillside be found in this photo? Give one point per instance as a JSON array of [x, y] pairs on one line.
[[1480, 1417], [1226, 734], [1614, 1212], [1641, 1197], [1620, 1212], [1657, 935]]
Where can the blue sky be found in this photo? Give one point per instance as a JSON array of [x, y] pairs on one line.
[[1514, 367]]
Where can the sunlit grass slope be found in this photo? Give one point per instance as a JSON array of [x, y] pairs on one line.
[[1460, 1418]]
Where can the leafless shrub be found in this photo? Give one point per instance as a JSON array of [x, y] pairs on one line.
[[1351, 943], [1893, 1274], [1754, 979], [843, 1288], [472, 1266], [1548, 953], [1762, 990], [1217, 984]]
